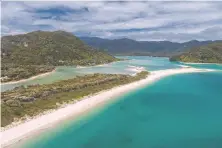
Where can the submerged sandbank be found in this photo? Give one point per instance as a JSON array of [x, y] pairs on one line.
[[16, 133]]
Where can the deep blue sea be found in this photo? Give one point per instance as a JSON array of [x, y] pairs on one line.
[[179, 111]]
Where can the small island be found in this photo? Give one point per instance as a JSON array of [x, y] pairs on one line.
[[211, 53]]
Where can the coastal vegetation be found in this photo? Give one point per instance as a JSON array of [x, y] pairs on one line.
[[211, 53], [37, 52], [32, 100], [14, 72]]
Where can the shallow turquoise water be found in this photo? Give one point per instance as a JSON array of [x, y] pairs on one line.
[[180, 111], [209, 66], [122, 67]]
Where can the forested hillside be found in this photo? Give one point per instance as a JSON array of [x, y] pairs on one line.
[[37, 52], [211, 53]]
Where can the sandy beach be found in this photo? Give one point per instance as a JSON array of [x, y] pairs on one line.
[[25, 129], [31, 78]]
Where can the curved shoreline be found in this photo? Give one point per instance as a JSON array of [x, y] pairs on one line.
[[26, 129], [31, 78], [201, 63], [47, 73]]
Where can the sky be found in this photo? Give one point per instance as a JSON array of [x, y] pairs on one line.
[[144, 21]]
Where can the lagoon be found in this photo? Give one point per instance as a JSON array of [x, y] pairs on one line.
[[122, 67]]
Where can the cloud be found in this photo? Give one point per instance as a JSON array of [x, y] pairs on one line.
[[174, 21], [176, 36]]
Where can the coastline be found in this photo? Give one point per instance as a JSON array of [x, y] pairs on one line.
[[200, 63], [25, 129], [47, 73], [31, 78]]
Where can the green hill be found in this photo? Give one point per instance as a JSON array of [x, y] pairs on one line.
[[23, 54], [50, 48], [211, 53]]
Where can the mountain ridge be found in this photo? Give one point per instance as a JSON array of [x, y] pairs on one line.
[[127, 46]]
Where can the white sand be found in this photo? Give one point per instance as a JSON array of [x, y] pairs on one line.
[[25, 129], [184, 66], [135, 69], [31, 78]]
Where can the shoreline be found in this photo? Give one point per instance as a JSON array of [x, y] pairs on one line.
[[28, 79], [200, 63], [50, 118], [47, 73]]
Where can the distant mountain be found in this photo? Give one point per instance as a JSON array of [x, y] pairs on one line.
[[211, 53], [37, 52], [131, 47]]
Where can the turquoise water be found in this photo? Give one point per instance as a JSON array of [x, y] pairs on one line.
[[180, 111], [122, 67], [209, 66], [150, 63]]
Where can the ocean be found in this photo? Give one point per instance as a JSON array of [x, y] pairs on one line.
[[178, 111]]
